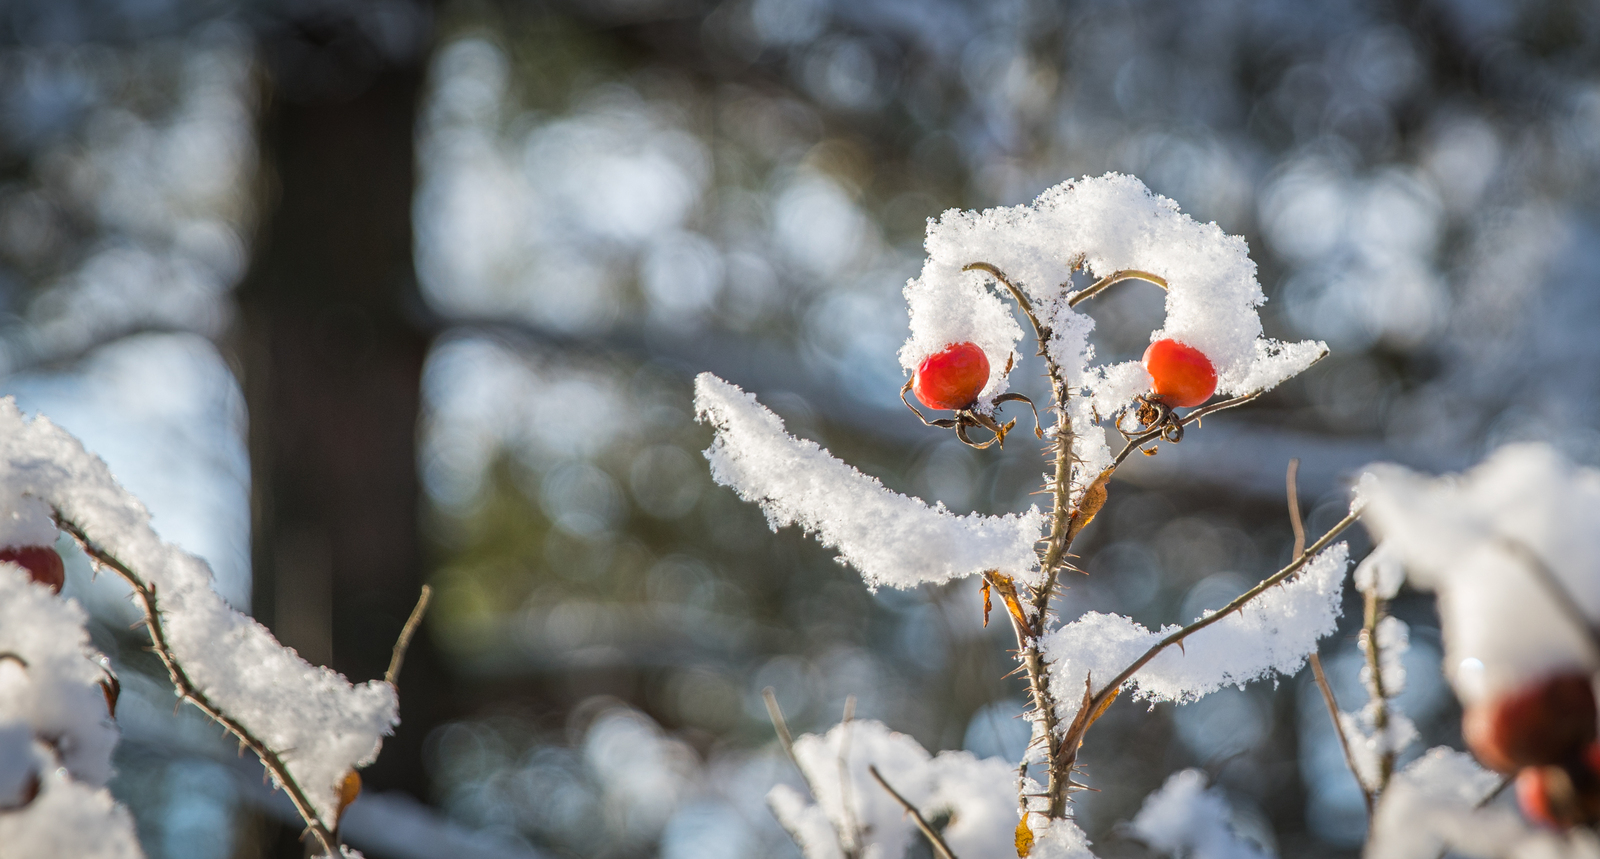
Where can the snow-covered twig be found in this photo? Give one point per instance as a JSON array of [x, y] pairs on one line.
[[1375, 612], [1101, 699], [940, 849], [191, 693]]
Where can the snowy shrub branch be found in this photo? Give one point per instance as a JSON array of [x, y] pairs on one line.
[[1116, 230], [311, 728]]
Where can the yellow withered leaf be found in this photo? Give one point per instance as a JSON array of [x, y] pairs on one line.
[[1089, 505], [1024, 839]]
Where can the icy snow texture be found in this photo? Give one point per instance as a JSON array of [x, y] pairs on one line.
[[892, 539], [979, 795], [1185, 819], [1114, 223], [68, 818], [58, 693], [1274, 632], [1465, 536], [1430, 806], [318, 722]]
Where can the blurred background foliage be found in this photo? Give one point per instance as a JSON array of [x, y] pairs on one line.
[[200, 206]]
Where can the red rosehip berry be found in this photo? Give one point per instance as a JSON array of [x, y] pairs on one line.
[[42, 563], [952, 377], [1537, 788], [1182, 375], [1548, 722]]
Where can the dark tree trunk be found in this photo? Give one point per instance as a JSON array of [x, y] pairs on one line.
[[331, 358]]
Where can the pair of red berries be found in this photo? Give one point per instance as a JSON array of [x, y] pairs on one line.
[[42, 563], [951, 378], [1545, 732]]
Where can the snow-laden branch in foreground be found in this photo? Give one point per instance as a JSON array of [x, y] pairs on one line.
[[320, 724], [1512, 547], [973, 794], [891, 538], [1275, 632], [56, 734], [1432, 806]]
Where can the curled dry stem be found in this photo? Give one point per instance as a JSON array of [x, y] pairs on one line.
[[935, 840], [1100, 699], [1111, 280], [187, 690]]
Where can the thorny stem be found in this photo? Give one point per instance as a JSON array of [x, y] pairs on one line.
[[1298, 526], [1374, 613], [935, 840], [1030, 630], [189, 692], [1099, 699]]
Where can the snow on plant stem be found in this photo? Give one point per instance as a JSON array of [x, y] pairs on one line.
[[1107, 224], [890, 538], [1274, 633], [320, 724]]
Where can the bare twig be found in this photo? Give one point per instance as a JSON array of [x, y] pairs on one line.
[[398, 657], [1101, 698], [1112, 279], [786, 739], [1295, 523], [846, 795], [187, 690], [935, 840], [1338, 728], [1299, 527]]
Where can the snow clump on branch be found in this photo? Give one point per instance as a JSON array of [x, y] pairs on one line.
[[1512, 547], [1274, 633], [892, 539], [1112, 223], [321, 725]]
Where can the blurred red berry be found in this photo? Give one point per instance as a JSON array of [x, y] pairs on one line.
[[1548, 722], [42, 563], [952, 377], [1182, 375]]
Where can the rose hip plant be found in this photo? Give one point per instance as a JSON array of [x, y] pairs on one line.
[[872, 790]]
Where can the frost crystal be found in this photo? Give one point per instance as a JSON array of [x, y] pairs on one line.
[[1111, 223], [1275, 632], [1511, 547], [892, 539], [321, 724]]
